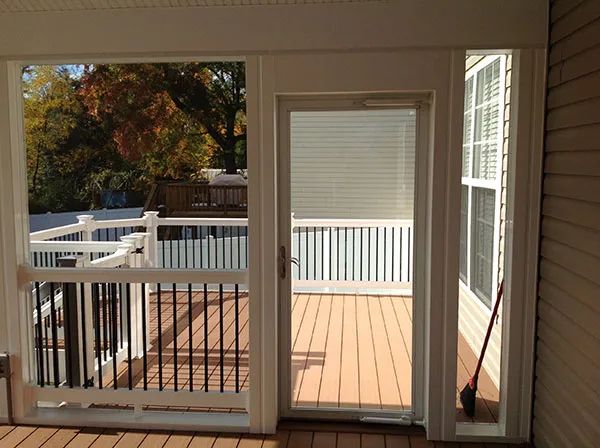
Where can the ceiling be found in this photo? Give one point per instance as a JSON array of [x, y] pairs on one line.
[[81, 5]]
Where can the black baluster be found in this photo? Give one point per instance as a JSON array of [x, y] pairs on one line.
[[205, 337], [144, 338], [175, 337], [190, 334], [159, 316], [129, 354], [40, 343], [54, 329]]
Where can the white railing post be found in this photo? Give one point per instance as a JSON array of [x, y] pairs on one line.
[[136, 260], [152, 249], [87, 234]]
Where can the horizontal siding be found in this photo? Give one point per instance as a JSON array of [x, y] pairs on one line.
[[567, 389], [353, 164]]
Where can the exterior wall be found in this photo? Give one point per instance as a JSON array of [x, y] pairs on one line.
[[567, 395], [473, 316]]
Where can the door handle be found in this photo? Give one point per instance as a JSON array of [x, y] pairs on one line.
[[284, 260]]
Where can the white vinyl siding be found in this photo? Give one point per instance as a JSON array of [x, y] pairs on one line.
[[353, 164], [567, 391]]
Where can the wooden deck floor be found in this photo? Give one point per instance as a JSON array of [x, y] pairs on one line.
[[55, 437], [355, 351], [348, 351]]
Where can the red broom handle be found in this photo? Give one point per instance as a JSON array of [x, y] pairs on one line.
[[489, 330]]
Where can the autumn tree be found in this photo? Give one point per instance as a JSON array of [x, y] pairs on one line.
[[175, 118]]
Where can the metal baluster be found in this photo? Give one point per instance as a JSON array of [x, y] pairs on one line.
[[221, 329], [40, 343], [83, 335], [175, 337], [129, 354], [144, 341], [114, 336], [205, 337], [159, 316], [237, 339], [190, 334], [96, 304], [54, 336]]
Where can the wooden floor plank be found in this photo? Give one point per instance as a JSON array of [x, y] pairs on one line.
[[372, 441], [348, 440], [324, 440], [16, 436], [5, 429], [251, 441], [227, 441], [404, 322], [300, 439], [420, 442], [61, 438], [367, 368], [389, 389], [38, 437], [155, 439], [202, 440], [300, 361], [278, 440], [329, 389], [311, 381], [85, 438], [131, 439], [396, 441], [179, 440], [108, 439], [349, 392], [398, 351]]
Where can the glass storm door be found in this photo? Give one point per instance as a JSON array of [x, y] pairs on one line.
[[346, 258]]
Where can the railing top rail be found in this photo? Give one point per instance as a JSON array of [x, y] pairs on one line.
[[131, 275], [55, 232], [111, 223], [75, 246], [233, 222], [342, 222]]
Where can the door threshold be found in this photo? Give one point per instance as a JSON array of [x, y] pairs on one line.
[[295, 424]]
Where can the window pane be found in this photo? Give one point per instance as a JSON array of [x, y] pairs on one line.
[[468, 93], [482, 242], [464, 208], [488, 83], [485, 157]]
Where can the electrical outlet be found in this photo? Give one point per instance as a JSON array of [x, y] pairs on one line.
[[4, 365]]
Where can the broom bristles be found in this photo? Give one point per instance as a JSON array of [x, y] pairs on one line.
[[468, 396]]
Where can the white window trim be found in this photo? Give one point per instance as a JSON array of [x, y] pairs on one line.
[[495, 184]]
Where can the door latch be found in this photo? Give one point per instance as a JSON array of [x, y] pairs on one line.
[[283, 261]]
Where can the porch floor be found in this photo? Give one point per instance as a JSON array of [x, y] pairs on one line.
[[287, 437]]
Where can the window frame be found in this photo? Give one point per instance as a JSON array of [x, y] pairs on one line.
[[491, 184]]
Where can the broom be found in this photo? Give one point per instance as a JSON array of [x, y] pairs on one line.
[[469, 392]]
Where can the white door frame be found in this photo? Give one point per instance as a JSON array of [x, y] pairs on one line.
[[285, 105]]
